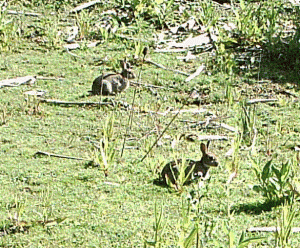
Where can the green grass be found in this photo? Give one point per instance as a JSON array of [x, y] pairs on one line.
[[56, 202]]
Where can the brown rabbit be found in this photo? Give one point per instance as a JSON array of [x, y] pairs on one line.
[[113, 83], [194, 169]]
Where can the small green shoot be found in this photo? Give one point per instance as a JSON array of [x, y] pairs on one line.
[[106, 157], [242, 241], [157, 227], [284, 230]]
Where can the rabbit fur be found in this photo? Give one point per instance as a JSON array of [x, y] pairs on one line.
[[194, 169], [113, 83]]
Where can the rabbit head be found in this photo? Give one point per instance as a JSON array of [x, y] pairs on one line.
[[208, 159], [127, 70]]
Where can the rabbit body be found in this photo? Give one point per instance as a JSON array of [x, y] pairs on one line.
[[112, 83], [194, 169]]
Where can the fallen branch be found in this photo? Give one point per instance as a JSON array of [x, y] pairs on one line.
[[111, 183], [253, 101], [84, 6], [225, 126], [112, 103], [59, 156], [179, 50], [73, 54], [72, 46], [131, 38], [14, 82], [271, 229], [38, 93], [215, 124], [48, 78], [288, 93], [211, 137], [180, 111], [13, 12], [165, 68], [195, 74], [193, 137], [147, 85]]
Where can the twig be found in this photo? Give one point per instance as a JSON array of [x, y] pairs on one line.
[[13, 12], [178, 50], [58, 156], [132, 110], [166, 128], [84, 6], [111, 183], [48, 78], [227, 127], [71, 46], [165, 68], [73, 54], [168, 111], [211, 137], [148, 85], [58, 102], [288, 93], [130, 38], [271, 229], [260, 101], [38, 93], [216, 124], [195, 74]]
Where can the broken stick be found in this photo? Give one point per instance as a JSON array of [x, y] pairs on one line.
[[58, 156], [270, 229]]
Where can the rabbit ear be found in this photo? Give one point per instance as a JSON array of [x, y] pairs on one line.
[[203, 148], [127, 66], [207, 145]]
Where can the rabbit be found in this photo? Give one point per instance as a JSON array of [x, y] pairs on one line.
[[194, 169], [113, 83]]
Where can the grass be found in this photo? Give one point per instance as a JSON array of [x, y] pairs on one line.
[[54, 202]]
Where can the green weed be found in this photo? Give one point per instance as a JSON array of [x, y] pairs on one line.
[[104, 154], [284, 227], [273, 181]]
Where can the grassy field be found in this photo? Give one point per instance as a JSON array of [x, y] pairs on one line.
[[110, 199]]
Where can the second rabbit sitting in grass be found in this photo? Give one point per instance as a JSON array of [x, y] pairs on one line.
[[194, 169], [113, 83]]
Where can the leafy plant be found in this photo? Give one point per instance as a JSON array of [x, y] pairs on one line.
[[208, 14], [8, 32], [83, 20], [273, 181], [107, 147], [255, 22], [51, 32], [242, 241]]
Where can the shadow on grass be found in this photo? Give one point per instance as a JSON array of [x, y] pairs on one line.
[[281, 61], [257, 207]]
